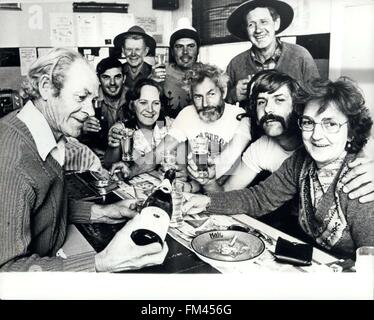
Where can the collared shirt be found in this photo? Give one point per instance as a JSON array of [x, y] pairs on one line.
[[110, 109], [144, 72], [269, 63], [142, 145], [42, 133]]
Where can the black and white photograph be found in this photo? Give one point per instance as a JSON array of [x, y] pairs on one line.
[[187, 150]]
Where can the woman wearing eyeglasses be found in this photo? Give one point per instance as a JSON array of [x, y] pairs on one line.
[[335, 125]]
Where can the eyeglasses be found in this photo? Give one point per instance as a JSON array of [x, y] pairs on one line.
[[328, 125]]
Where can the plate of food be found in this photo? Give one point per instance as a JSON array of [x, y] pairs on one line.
[[227, 246]]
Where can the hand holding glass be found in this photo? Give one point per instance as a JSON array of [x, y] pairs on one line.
[[127, 144], [200, 149]]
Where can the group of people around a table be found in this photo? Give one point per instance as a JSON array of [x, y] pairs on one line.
[[268, 112]]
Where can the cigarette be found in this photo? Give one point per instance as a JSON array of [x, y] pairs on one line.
[[116, 171], [233, 240]]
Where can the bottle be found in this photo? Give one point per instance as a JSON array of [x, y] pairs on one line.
[[152, 224]]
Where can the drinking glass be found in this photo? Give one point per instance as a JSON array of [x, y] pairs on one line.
[[365, 260], [200, 149], [127, 144], [142, 191], [177, 216], [161, 60], [169, 160]]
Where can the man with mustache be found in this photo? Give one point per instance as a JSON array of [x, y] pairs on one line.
[[135, 45], [259, 21], [273, 99], [209, 117], [112, 98], [184, 49], [34, 206]]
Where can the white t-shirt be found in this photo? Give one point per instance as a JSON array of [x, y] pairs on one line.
[[265, 154], [188, 125]]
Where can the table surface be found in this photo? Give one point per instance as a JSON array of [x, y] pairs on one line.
[[181, 257]]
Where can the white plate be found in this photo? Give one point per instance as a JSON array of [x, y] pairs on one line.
[[214, 246]]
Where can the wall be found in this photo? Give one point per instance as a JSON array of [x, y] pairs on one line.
[[352, 45], [305, 22], [30, 27]]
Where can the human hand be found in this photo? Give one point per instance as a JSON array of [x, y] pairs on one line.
[[123, 254], [159, 72], [196, 204], [207, 177], [113, 213], [359, 180], [180, 171], [120, 170], [115, 135], [241, 89], [91, 125]]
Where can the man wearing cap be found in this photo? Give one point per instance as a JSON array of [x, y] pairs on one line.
[[259, 21], [184, 48], [135, 45], [112, 97]]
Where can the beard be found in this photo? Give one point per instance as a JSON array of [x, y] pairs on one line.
[[212, 113]]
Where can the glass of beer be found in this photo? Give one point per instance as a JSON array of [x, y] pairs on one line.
[[127, 144], [200, 149], [161, 60]]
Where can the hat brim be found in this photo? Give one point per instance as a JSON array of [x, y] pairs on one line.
[[236, 21], [149, 41]]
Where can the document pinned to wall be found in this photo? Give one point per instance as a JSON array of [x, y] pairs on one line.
[[88, 31], [149, 24], [27, 57], [113, 24], [61, 30]]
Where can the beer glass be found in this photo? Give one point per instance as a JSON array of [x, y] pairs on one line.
[[169, 160], [200, 149], [161, 60], [127, 144]]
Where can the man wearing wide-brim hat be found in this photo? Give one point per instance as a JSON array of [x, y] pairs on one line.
[[259, 21], [135, 45]]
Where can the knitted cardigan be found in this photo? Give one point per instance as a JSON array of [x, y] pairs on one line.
[[294, 60], [289, 180], [34, 206]]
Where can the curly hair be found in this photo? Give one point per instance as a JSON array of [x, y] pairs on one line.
[[200, 71], [270, 81], [128, 111], [54, 64], [347, 97]]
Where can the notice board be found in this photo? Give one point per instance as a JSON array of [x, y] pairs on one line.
[[209, 18]]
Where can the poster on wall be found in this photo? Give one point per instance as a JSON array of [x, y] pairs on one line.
[[61, 30], [27, 57], [88, 30]]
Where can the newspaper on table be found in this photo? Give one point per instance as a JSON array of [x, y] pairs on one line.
[[196, 224]]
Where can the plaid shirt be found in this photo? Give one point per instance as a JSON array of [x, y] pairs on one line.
[[269, 63]]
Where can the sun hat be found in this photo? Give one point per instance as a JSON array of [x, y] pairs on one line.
[[135, 30], [236, 22]]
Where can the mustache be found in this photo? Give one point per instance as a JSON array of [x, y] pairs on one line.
[[186, 56], [272, 117]]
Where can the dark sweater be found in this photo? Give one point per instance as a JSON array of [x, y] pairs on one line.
[[34, 206], [294, 60], [288, 181]]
